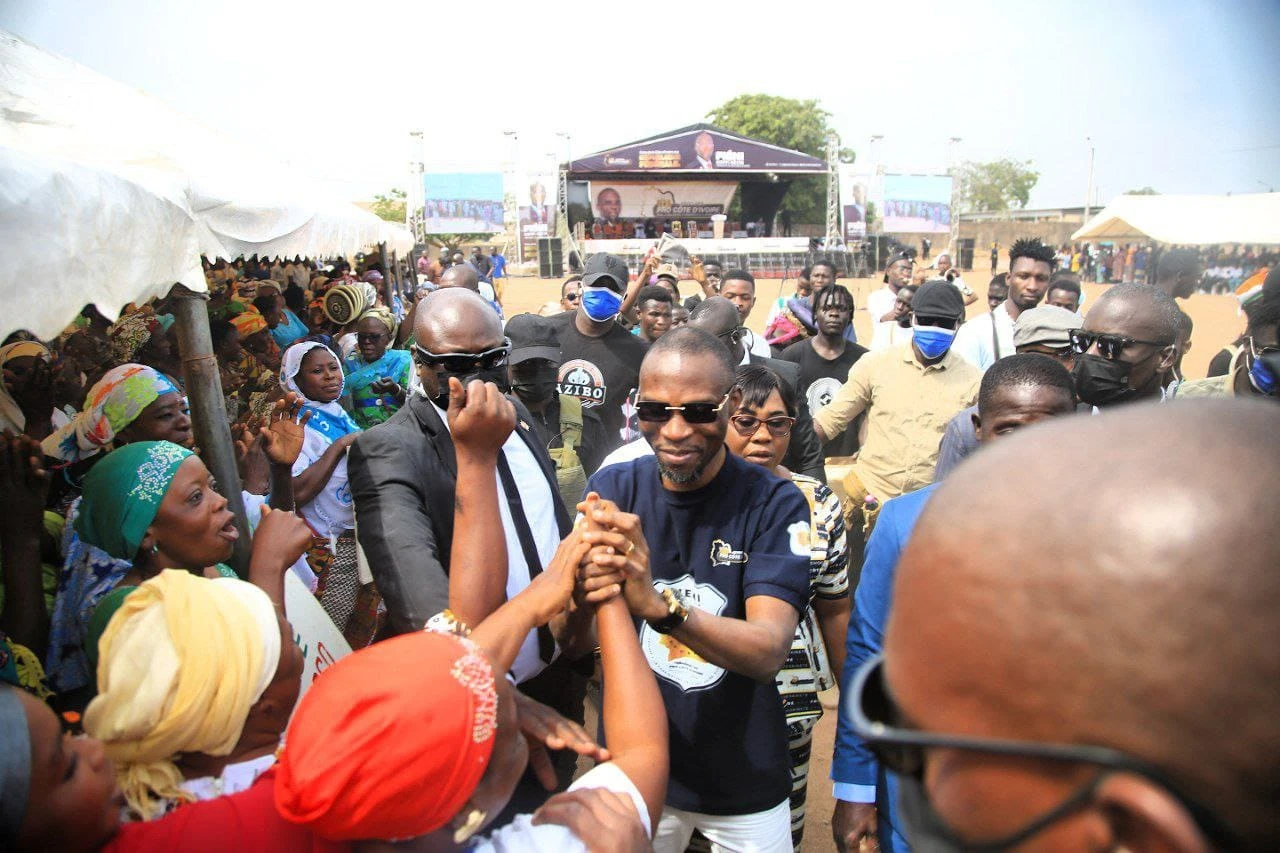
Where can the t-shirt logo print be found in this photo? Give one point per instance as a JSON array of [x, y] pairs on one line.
[[582, 379], [722, 554], [821, 392], [671, 659]]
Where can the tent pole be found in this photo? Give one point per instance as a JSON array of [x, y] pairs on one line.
[[208, 412]]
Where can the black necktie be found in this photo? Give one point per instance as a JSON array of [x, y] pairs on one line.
[[546, 643]]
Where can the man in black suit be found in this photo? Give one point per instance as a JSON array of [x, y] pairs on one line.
[[403, 476], [720, 317]]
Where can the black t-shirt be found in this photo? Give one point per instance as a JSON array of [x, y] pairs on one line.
[[745, 533], [819, 381], [602, 372]]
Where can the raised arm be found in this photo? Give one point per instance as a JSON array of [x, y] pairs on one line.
[[480, 420]]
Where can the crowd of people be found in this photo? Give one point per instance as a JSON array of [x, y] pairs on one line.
[[1221, 269], [619, 509]]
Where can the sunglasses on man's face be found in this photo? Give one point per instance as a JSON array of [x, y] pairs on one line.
[[1109, 346], [573, 296], [654, 412], [464, 362], [877, 720], [937, 322], [732, 336]]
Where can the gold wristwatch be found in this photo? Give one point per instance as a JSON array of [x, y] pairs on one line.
[[676, 614]]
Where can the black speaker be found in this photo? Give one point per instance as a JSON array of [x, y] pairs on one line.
[[550, 257], [965, 261]]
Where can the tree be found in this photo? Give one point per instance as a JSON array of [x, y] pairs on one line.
[[1144, 191], [997, 185], [801, 125], [390, 207]]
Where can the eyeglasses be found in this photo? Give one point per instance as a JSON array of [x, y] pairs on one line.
[[732, 336], [573, 296], [694, 413], [747, 425], [902, 751], [1109, 346], [938, 322], [465, 362]]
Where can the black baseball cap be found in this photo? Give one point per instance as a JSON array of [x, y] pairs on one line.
[[938, 299], [605, 265], [532, 337]]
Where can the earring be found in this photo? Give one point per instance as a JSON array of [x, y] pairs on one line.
[[155, 549], [475, 820]]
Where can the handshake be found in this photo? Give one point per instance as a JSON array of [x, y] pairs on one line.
[[604, 557]]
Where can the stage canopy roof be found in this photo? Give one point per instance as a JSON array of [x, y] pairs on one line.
[[701, 151], [1193, 220]]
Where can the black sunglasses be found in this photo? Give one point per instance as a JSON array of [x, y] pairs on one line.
[[902, 751], [573, 296], [779, 426], [465, 362], [732, 336], [653, 412], [1109, 346], [939, 322]]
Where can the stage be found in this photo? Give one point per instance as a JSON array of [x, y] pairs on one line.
[[764, 257]]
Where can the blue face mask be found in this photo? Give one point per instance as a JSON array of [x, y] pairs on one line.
[[1265, 373], [601, 303], [932, 341]]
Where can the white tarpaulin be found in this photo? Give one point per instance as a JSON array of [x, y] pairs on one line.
[[242, 203], [74, 235], [1192, 220]]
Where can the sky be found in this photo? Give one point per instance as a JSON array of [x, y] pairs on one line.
[[1178, 95]]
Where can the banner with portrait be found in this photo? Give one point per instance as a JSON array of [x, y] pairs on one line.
[[535, 201], [462, 202], [857, 191], [613, 200], [919, 204]]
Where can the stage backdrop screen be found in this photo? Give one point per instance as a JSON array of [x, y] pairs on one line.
[[917, 203], [856, 190], [462, 202], [613, 200]]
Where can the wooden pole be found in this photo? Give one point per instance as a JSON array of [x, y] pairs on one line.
[[208, 411]]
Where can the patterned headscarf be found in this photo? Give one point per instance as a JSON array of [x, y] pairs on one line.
[[130, 333], [11, 416], [392, 741], [181, 663], [122, 495], [111, 405], [378, 312], [249, 323]]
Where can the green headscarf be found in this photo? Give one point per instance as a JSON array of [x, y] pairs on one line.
[[122, 494]]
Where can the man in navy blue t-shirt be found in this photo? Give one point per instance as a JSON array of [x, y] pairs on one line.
[[716, 554]]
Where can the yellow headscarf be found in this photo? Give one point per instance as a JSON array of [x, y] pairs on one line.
[[180, 665]]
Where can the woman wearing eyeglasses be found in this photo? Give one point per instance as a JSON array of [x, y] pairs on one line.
[[760, 432], [311, 370]]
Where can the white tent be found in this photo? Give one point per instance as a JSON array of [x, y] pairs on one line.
[[104, 146], [1192, 220]]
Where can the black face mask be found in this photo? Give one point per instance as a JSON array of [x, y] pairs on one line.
[[1100, 382], [498, 376], [536, 392]]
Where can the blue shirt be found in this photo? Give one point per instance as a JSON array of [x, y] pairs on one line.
[[857, 775], [499, 266], [745, 533], [289, 330]]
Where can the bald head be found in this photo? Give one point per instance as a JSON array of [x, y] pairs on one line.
[[460, 276], [715, 315], [1142, 620], [456, 320]]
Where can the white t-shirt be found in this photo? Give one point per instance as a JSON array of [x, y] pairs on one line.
[[974, 343], [757, 345], [539, 512], [332, 510], [522, 835], [886, 335]]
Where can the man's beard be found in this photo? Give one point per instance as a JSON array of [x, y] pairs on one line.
[[682, 478]]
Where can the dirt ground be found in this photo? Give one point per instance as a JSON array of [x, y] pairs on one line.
[[1217, 323]]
